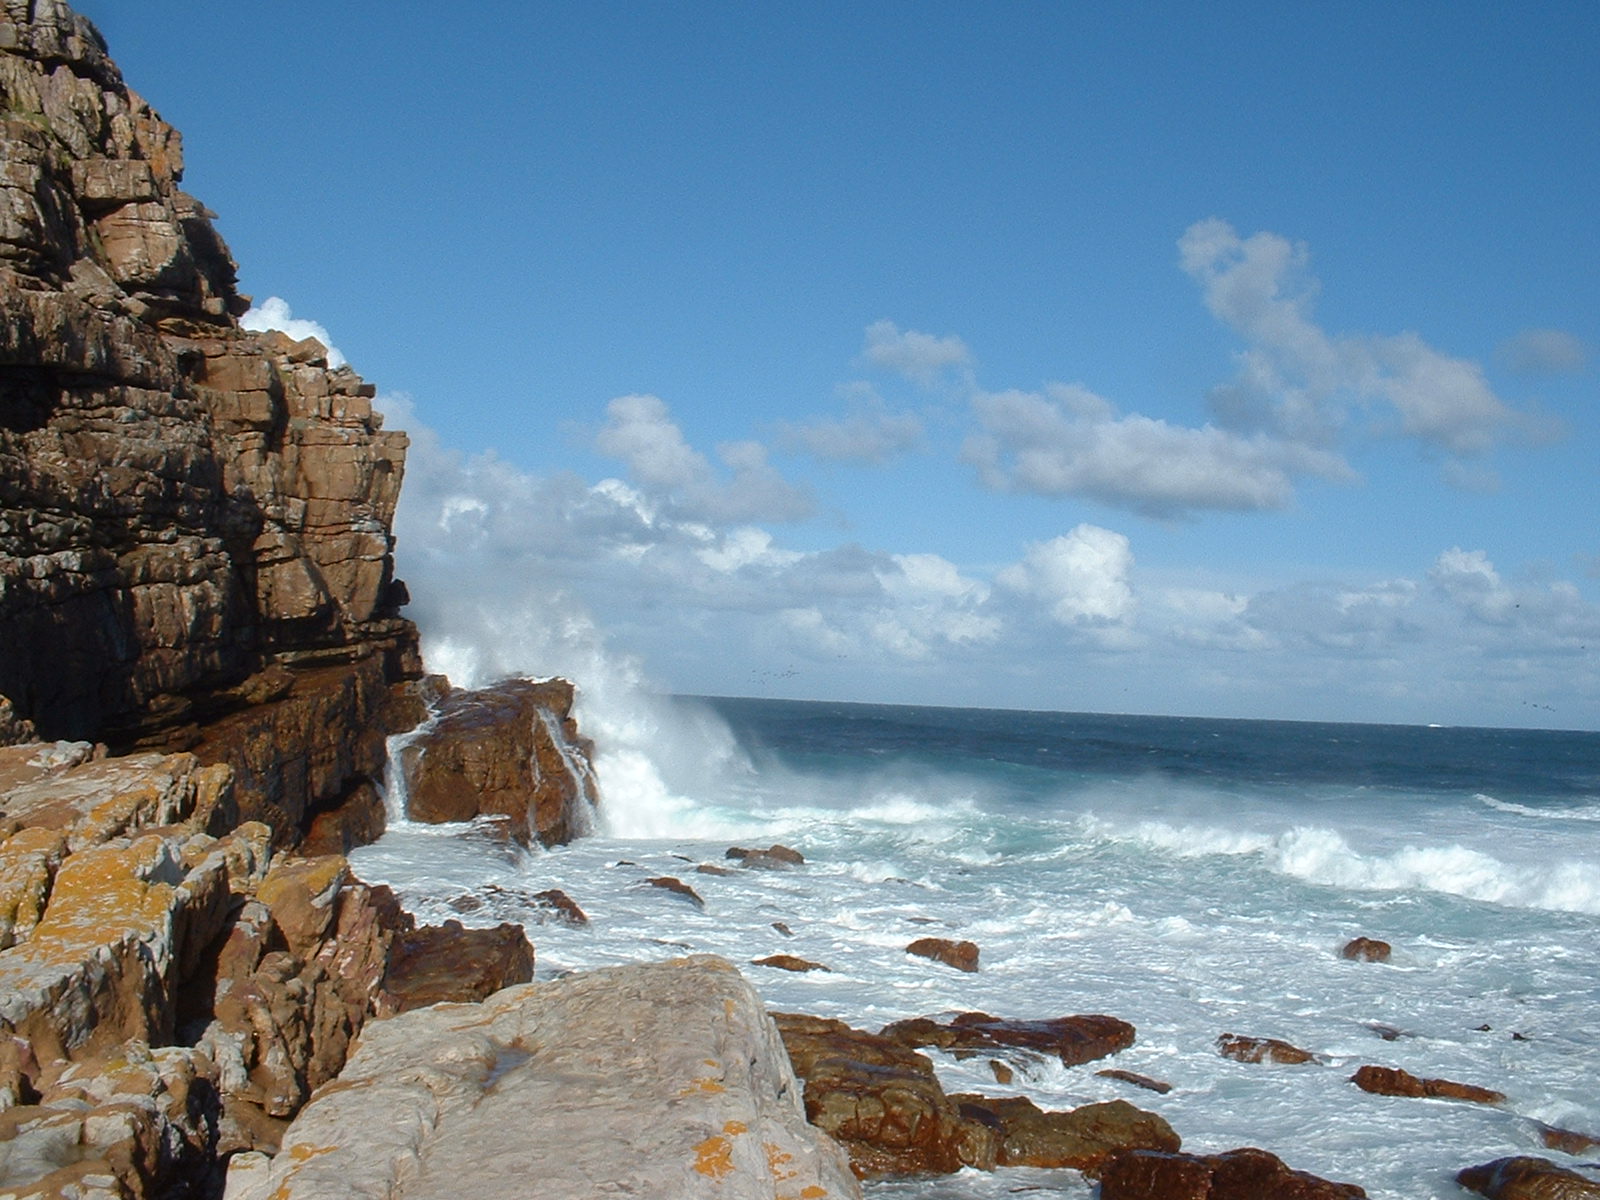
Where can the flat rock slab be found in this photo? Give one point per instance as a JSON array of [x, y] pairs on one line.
[[658, 1079]]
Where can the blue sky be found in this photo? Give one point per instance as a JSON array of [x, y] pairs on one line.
[[1230, 359]]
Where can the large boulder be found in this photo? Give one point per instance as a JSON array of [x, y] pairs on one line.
[[661, 1079], [509, 750]]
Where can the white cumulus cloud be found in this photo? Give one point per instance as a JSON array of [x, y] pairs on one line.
[[274, 313], [1080, 576], [920, 357]]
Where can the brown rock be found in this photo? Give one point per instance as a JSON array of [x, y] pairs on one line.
[[775, 857], [1527, 1178], [1082, 1139], [357, 819], [1392, 1081], [787, 962], [1142, 1081], [1566, 1140], [881, 1101], [1366, 949], [678, 887], [963, 956], [448, 963], [564, 907], [1254, 1050], [1244, 1174], [510, 749], [1073, 1040]]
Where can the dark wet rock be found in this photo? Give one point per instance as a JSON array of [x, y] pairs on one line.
[[1365, 949], [1568, 1141], [447, 962], [788, 962], [783, 929], [1392, 1081], [1244, 1174], [963, 956], [1141, 1081], [881, 1101], [1256, 1049], [1073, 1040], [678, 887], [712, 869], [1526, 1177], [774, 857], [562, 906], [1082, 1138]]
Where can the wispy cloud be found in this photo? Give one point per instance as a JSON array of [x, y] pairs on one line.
[[869, 431], [920, 357], [1066, 441], [1546, 352], [1302, 383]]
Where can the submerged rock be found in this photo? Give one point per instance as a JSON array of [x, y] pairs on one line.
[[533, 1091], [1259, 1049], [1244, 1174], [1366, 949], [1526, 1177], [963, 956], [1073, 1040], [1392, 1081], [1083, 1138]]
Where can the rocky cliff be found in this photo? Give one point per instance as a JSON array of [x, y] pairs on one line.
[[194, 519]]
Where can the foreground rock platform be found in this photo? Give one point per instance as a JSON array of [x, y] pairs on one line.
[[662, 1079]]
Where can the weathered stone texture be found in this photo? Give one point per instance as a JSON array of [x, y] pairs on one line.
[[183, 504], [540, 1088]]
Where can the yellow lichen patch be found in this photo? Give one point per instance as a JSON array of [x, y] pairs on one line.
[[778, 1160], [317, 878], [100, 893], [713, 1157], [813, 1192], [301, 1152], [702, 1085], [734, 1128]]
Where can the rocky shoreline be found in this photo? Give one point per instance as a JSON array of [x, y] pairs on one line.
[[202, 654]]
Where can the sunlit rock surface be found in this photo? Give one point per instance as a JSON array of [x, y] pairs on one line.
[[663, 1079]]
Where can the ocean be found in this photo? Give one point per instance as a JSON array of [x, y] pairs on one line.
[[1192, 876]]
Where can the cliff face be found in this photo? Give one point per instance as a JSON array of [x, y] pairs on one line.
[[194, 519]]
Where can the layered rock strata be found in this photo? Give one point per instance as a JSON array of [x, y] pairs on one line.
[[168, 995], [193, 518], [539, 1088]]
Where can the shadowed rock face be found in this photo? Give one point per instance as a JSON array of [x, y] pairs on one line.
[[191, 515]]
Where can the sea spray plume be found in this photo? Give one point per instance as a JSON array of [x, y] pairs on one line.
[[482, 559]]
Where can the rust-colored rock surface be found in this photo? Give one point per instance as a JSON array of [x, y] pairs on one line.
[[1365, 949], [1073, 1040], [881, 1101], [1261, 1050], [508, 750], [450, 963], [192, 516], [1244, 1174], [1083, 1138], [1392, 1081], [963, 956], [1526, 1177]]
